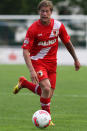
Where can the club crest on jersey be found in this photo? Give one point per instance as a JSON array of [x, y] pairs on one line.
[[40, 73], [55, 32]]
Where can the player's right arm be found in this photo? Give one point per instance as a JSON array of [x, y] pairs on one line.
[[27, 46], [28, 62]]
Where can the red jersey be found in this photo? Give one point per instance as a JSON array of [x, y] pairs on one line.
[[42, 41]]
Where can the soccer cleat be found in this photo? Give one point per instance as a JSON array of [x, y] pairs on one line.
[[51, 124], [19, 85]]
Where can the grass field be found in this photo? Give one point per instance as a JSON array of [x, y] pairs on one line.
[[68, 106]]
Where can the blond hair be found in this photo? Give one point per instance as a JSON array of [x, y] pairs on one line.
[[45, 3]]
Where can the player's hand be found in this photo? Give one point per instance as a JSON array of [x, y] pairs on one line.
[[34, 77], [77, 65]]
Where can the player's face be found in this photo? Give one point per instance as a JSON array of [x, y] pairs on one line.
[[45, 15]]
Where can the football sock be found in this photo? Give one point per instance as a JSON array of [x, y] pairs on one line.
[[33, 87], [45, 104]]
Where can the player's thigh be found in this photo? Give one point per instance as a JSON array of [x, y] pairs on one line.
[[41, 73], [45, 83], [52, 78]]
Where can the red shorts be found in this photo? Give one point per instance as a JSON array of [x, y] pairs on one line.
[[46, 71]]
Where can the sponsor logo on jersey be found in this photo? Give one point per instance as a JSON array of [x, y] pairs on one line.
[[47, 43]]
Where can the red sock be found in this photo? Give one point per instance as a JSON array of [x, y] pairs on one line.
[[45, 104], [33, 87]]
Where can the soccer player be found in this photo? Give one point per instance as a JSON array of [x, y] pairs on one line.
[[40, 53]]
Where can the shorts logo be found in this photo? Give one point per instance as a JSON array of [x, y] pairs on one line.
[[40, 73]]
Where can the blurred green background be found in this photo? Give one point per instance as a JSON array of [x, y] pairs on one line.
[[30, 7]]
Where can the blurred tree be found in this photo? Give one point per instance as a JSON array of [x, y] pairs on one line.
[[80, 3], [18, 6], [30, 6], [10, 6]]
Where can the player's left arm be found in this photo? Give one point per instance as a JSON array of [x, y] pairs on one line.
[[71, 50], [68, 44]]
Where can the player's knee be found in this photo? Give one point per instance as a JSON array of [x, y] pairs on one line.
[[47, 89], [51, 93], [45, 85]]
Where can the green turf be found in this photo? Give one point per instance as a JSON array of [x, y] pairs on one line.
[[68, 106]]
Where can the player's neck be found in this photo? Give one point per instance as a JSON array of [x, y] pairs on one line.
[[45, 23]]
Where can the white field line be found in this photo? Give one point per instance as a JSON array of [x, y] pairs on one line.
[[14, 118], [31, 94], [26, 119]]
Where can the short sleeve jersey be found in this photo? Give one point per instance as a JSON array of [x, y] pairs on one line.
[[42, 41]]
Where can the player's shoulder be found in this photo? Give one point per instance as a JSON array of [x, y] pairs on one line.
[[33, 26], [57, 23]]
